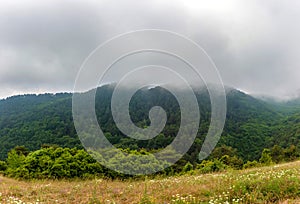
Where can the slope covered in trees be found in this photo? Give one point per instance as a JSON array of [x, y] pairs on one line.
[[251, 125], [32, 120]]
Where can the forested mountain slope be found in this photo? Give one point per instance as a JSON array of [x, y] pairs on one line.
[[251, 125]]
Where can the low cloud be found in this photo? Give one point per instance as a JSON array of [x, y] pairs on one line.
[[254, 44]]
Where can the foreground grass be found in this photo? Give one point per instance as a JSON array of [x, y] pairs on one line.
[[275, 184]]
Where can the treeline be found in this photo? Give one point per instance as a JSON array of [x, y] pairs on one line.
[[53, 162], [225, 157]]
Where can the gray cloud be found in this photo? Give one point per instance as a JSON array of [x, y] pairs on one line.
[[254, 44]]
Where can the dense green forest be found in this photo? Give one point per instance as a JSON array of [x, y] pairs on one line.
[[53, 162], [252, 125]]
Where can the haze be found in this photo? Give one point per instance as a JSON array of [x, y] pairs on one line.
[[254, 44]]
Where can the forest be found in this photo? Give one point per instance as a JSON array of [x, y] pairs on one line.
[[38, 138]]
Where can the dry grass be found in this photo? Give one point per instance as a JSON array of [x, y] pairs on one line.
[[229, 187]]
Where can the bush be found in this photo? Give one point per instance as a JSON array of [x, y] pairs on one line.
[[58, 163], [188, 167], [266, 157], [3, 166], [209, 166], [232, 161], [52, 163], [291, 153], [250, 164]]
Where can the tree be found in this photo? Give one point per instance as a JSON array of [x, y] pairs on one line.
[[21, 150], [266, 157], [277, 154], [219, 152], [234, 161], [14, 159], [291, 153]]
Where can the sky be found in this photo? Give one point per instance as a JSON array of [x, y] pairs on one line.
[[254, 44]]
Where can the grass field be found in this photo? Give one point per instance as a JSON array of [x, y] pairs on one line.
[[274, 184]]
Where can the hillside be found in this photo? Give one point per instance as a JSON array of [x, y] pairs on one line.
[[251, 125], [287, 131], [33, 120]]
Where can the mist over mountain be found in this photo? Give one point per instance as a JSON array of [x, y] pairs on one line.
[[252, 124]]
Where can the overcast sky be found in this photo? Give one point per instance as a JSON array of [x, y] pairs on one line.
[[254, 44]]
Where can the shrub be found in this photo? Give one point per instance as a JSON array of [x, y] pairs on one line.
[[3, 166], [266, 157], [232, 161], [250, 164], [208, 166], [188, 167], [52, 163]]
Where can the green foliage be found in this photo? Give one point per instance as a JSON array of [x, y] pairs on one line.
[[118, 159], [266, 158], [21, 150], [209, 166], [3, 166], [52, 163], [45, 120], [57, 163], [232, 161], [188, 167], [223, 150], [14, 159], [33, 120], [251, 164], [277, 154], [291, 153]]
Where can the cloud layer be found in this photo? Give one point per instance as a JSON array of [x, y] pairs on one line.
[[254, 44]]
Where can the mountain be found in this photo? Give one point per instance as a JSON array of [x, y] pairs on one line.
[[287, 131], [33, 120], [251, 124], [285, 106]]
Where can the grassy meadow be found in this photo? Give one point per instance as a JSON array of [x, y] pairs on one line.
[[272, 184]]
